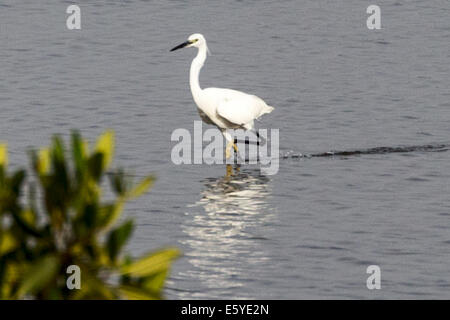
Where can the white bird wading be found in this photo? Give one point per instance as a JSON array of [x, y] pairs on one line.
[[224, 108]]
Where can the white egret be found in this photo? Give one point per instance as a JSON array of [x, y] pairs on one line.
[[224, 108]]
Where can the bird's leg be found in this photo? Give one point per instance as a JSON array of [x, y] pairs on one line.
[[235, 145], [227, 150], [229, 170]]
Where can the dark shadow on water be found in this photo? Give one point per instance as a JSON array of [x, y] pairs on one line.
[[372, 151]]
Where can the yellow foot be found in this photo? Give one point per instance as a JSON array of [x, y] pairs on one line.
[[229, 170]]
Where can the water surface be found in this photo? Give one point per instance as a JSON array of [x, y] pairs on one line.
[[309, 231]]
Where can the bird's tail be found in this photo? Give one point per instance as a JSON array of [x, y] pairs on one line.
[[267, 109]]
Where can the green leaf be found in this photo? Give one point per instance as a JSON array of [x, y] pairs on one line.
[[16, 181], [58, 150], [117, 238], [141, 188], [78, 151], [39, 275], [117, 180], [105, 146], [28, 216], [43, 161], [133, 293], [95, 164], [153, 263], [3, 155], [109, 214], [26, 224], [92, 287], [90, 215], [61, 178], [155, 282], [7, 242]]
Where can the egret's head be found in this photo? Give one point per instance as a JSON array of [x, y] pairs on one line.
[[195, 40]]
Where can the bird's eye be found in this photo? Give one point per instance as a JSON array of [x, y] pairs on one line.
[[194, 41]]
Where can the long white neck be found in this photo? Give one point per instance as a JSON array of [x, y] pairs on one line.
[[196, 66]]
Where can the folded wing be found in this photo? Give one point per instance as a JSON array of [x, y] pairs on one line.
[[240, 108]]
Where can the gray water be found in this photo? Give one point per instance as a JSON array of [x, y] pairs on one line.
[[311, 230]]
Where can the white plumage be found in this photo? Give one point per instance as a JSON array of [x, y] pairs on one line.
[[225, 108]]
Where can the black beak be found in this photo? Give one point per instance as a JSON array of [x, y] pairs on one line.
[[184, 44]]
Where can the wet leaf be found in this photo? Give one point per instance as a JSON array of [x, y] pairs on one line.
[[105, 146], [3, 155], [95, 165], [43, 161], [132, 293], [109, 214], [39, 274], [16, 181], [7, 242], [141, 188], [117, 238], [156, 281], [153, 263]]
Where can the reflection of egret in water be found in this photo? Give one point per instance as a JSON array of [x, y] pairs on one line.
[[225, 240]]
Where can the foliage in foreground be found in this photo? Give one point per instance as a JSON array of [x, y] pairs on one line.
[[70, 224]]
